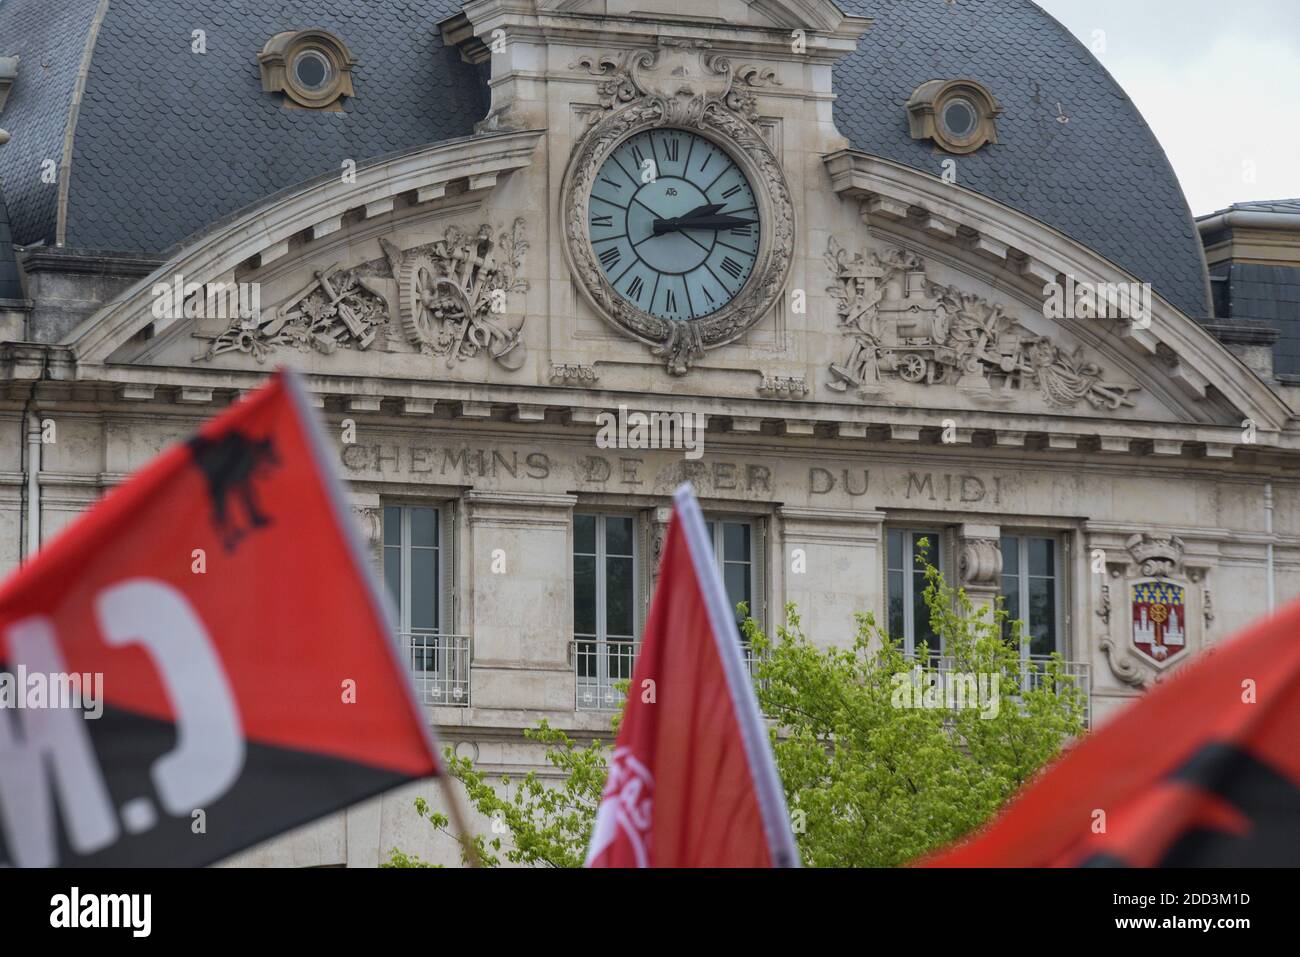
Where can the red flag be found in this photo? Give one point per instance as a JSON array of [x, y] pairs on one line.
[[1204, 770], [691, 781], [249, 678]]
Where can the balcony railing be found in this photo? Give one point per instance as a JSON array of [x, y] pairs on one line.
[[600, 665], [1034, 676], [439, 666]]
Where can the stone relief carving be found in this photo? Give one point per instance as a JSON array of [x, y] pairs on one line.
[[681, 84], [445, 298], [371, 521], [902, 325], [979, 563], [337, 309], [451, 292]]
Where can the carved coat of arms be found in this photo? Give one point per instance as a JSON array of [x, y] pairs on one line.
[[1159, 620], [1168, 608]]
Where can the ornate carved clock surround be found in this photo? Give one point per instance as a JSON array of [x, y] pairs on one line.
[[683, 85]]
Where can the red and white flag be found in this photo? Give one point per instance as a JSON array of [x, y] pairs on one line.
[[691, 782], [220, 612]]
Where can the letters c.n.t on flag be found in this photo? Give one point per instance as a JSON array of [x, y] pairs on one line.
[[1204, 770], [691, 782], [250, 682]]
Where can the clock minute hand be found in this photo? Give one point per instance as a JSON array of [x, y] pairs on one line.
[[662, 226], [716, 222]]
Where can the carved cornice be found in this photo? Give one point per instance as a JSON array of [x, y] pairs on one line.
[[829, 33]]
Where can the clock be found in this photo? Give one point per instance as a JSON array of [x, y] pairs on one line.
[[674, 224], [678, 223]]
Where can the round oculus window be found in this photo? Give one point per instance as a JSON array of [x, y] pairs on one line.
[[960, 118], [312, 70]]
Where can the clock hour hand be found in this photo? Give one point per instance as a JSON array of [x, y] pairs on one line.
[[662, 226]]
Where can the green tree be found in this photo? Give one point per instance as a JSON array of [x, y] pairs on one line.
[[547, 825], [870, 778]]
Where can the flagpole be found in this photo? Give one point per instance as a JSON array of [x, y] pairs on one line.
[[457, 815]]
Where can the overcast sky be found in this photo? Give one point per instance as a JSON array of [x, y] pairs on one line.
[[1218, 81]]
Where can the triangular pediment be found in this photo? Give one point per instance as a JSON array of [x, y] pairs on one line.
[[817, 15]]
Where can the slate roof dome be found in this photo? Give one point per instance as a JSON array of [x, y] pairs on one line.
[[167, 141], [1101, 178]]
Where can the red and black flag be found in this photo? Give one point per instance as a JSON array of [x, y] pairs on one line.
[[1204, 770], [250, 682]]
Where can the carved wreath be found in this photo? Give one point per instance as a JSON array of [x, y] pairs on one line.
[[723, 114]]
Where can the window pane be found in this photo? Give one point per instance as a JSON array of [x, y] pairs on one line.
[[393, 573], [1042, 616], [925, 550], [584, 594], [896, 606], [1011, 602], [895, 549], [735, 539], [392, 525], [618, 535], [619, 597], [424, 588], [1041, 557], [921, 617], [424, 527], [584, 534], [1010, 556], [736, 577]]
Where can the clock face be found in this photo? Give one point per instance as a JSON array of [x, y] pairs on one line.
[[674, 224]]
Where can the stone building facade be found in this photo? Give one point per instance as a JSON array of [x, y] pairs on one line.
[[860, 240]]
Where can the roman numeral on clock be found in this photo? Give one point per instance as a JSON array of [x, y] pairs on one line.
[[742, 230], [610, 257], [731, 192], [635, 288], [670, 301], [732, 268], [671, 149], [602, 220]]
